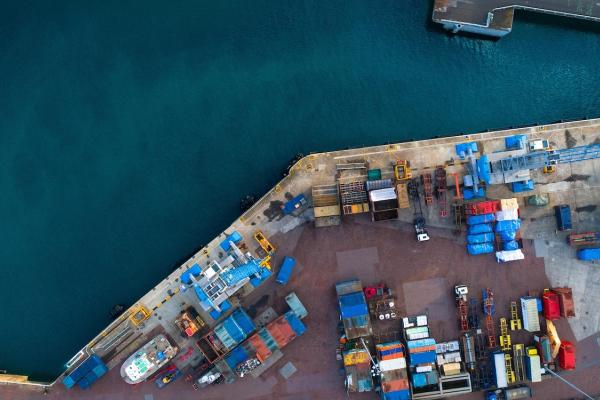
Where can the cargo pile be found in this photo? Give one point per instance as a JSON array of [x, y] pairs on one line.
[[86, 373], [493, 225]]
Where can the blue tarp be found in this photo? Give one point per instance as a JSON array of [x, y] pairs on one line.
[[403, 394], [297, 325], [481, 219], [507, 236], [244, 321], [589, 254], [237, 356], [264, 274], [483, 248], [422, 357], [237, 274], [462, 149], [479, 228], [353, 304], [235, 237], [79, 374], [214, 314], [511, 245], [481, 238], [225, 306], [483, 169], [524, 186], [193, 270], [509, 225], [516, 142], [469, 194]]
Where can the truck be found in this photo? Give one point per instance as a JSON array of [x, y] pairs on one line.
[[563, 217], [420, 230], [295, 206], [521, 392], [285, 271]]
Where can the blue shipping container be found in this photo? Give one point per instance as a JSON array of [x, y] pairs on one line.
[[483, 248], [509, 225], [481, 238], [589, 254], [422, 357], [403, 394], [353, 305], [297, 326], [563, 217], [285, 271], [480, 228], [419, 380], [237, 356], [523, 186], [469, 194], [83, 369], [481, 219]]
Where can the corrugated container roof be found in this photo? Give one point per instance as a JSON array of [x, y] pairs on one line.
[[262, 351], [357, 326], [396, 363], [295, 323], [397, 395], [395, 385], [281, 331], [353, 305], [349, 286]]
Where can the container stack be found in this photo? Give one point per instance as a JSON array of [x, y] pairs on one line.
[[422, 358], [86, 373], [392, 366], [507, 231], [357, 365]]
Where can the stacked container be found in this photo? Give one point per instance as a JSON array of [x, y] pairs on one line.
[[394, 378], [507, 227], [422, 362], [480, 238]]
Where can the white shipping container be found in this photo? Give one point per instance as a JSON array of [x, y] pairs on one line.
[[529, 311], [507, 215], [422, 320], [533, 368], [500, 370], [390, 365]]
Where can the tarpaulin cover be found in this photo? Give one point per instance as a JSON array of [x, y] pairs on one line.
[[244, 321], [193, 270], [483, 248], [264, 273], [235, 237], [353, 305], [480, 228], [481, 238], [469, 194], [483, 169], [507, 236], [234, 275], [480, 219], [395, 385], [512, 245], [589, 254], [462, 149], [295, 323], [512, 225], [507, 215], [516, 142], [214, 314], [237, 356]]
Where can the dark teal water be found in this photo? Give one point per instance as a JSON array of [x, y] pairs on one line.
[[129, 131]]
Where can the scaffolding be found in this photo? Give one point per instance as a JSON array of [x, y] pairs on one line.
[[510, 375], [440, 188], [463, 315], [427, 188], [515, 321], [504, 336], [473, 313]]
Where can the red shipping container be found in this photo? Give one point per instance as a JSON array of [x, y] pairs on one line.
[[551, 305], [566, 355]]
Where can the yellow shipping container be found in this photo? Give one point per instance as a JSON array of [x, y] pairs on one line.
[[451, 368], [509, 204]]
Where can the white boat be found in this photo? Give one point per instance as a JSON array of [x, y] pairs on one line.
[[148, 359]]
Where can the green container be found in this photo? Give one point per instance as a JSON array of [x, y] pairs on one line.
[[374, 174]]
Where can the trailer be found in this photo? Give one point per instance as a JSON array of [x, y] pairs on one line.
[[582, 239]]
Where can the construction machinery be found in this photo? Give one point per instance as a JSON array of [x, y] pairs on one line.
[[264, 242], [504, 336], [440, 189], [402, 170], [427, 188], [489, 309], [139, 313], [461, 291], [518, 359], [515, 321]]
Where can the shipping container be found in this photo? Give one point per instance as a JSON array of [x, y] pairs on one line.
[[523, 186], [509, 204], [86, 373], [499, 370], [285, 271], [529, 312], [482, 207], [297, 326], [262, 350], [542, 343], [567, 307], [516, 142], [281, 331], [590, 254], [566, 355], [533, 367], [353, 307], [551, 306], [563, 217], [378, 184]]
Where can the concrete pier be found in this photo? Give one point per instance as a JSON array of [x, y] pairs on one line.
[[495, 17]]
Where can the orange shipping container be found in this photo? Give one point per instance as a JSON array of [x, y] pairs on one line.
[[392, 386], [281, 331], [262, 351]]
